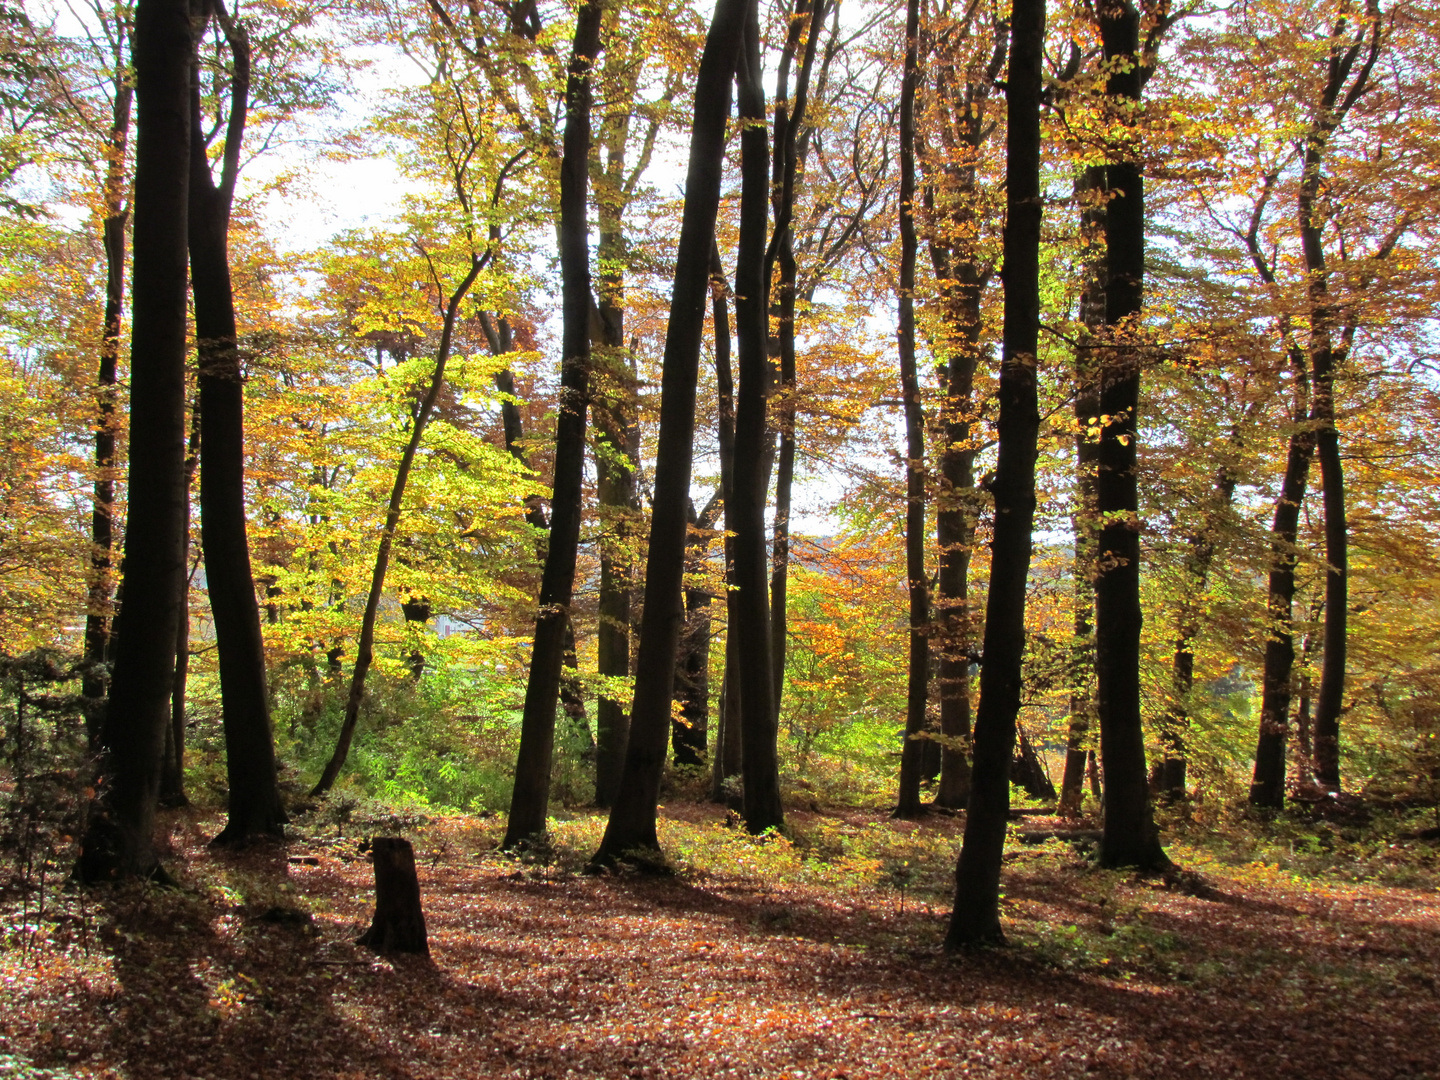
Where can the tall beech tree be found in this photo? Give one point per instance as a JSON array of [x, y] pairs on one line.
[[1348, 69], [1089, 192], [727, 732], [1130, 836], [966, 67], [617, 168], [1353, 47], [745, 513], [692, 670], [531, 797], [631, 826], [802, 38], [255, 807], [118, 840], [976, 915], [918, 673], [115, 218]]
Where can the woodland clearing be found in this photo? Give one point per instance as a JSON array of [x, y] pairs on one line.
[[813, 956]]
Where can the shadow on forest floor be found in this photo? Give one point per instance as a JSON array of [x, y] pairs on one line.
[[538, 972]]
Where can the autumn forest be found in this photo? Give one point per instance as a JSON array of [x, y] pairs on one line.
[[814, 539]]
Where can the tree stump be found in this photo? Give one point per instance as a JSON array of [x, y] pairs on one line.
[[399, 924]]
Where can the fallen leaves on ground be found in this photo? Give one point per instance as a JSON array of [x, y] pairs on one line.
[[726, 969]]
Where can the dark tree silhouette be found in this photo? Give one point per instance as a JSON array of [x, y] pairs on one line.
[[632, 819], [531, 798], [976, 916], [255, 808], [118, 841]]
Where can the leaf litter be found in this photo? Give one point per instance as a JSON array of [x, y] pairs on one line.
[[806, 958]]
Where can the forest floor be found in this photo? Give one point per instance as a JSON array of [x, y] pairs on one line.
[[815, 956]]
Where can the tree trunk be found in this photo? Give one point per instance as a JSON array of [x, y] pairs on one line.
[[1267, 786], [1131, 838], [807, 17], [745, 515], [1175, 725], [118, 839], [615, 476], [99, 608], [917, 691], [500, 339], [255, 808], [172, 773], [1028, 771], [1089, 192], [1345, 82], [976, 915], [1329, 703], [727, 735], [399, 923], [690, 734], [530, 800], [617, 435], [961, 276], [632, 819]]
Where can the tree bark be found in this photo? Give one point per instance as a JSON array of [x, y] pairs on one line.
[[255, 808], [727, 734], [961, 277], [99, 606], [617, 442], [976, 915], [806, 19], [172, 773], [118, 839], [399, 922], [1353, 43], [1089, 193], [1267, 785], [917, 689], [745, 515], [530, 800], [1131, 838], [632, 819], [1175, 725]]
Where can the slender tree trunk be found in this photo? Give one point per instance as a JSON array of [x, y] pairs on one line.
[[917, 691], [745, 515], [976, 915], [1082, 663], [365, 645], [172, 774], [255, 808], [1267, 787], [961, 275], [632, 819], [99, 608], [955, 533], [1130, 836], [1354, 48], [1089, 193], [727, 735], [530, 801], [807, 18], [1336, 101], [118, 839], [616, 490], [617, 437], [1329, 702], [1175, 725], [690, 733]]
